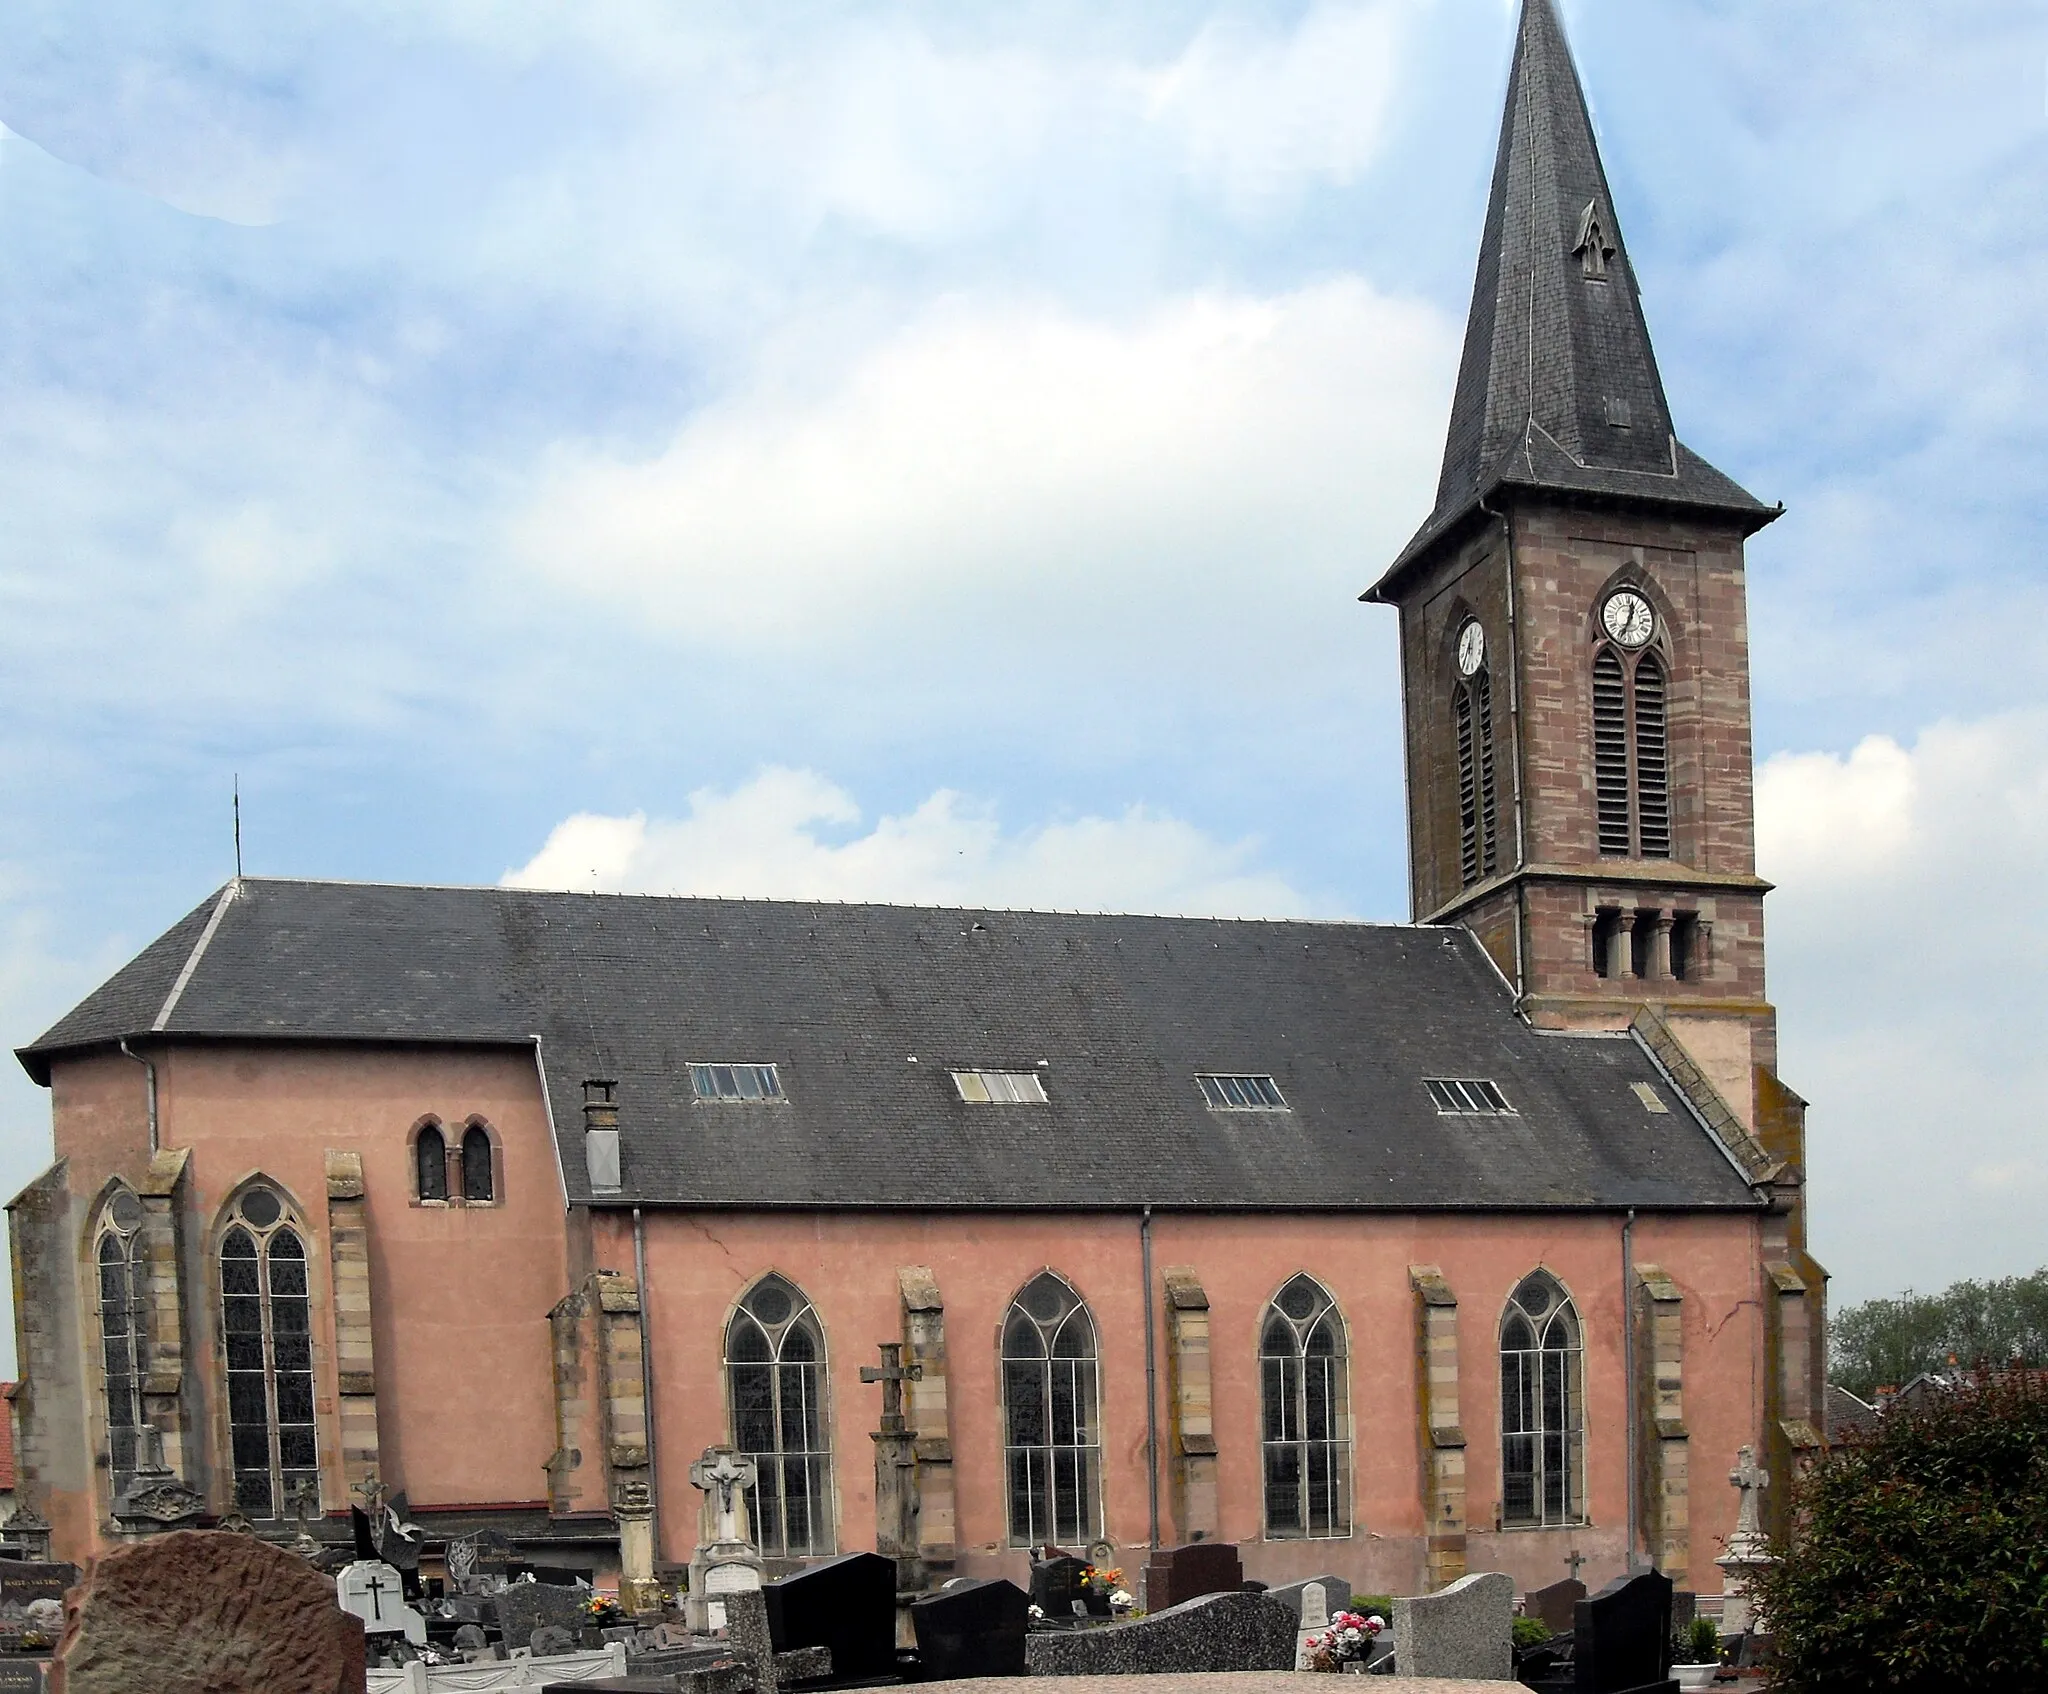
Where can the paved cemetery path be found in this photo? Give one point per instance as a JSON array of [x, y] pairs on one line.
[[1214, 1682]]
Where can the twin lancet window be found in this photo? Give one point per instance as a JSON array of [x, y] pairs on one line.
[[430, 1152]]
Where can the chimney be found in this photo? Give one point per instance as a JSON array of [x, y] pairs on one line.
[[601, 1134]]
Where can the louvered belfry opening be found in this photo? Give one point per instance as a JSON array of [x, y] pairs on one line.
[[1468, 787], [1489, 807], [1632, 754], [1653, 766], [1610, 751]]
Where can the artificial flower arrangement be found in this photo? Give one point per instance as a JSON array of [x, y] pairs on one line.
[[602, 1609], [1102, 1581], [1348, 1639]]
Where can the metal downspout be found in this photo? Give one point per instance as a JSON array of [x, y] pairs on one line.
[[1628, 1367], [1151, 1383], [149, 1067]]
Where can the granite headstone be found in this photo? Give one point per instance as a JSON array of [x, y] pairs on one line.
[[1622, 1639], [971, 1629], [524, 1607], [848, 1605], [23, 1580], [1557, 1605], [1216, 1632], [1464, 1630], [1056, 1585], [1174, 1575]]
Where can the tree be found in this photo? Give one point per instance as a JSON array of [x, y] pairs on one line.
[[1919, 1558], [1886, 1343]]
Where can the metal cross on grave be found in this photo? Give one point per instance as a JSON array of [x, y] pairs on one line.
[[375, 1589], [892, 1374], [371, 1492]]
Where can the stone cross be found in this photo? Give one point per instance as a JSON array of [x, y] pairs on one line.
[[1576, 1559], [892, 1373], [724, 1472], [1752, 1479]]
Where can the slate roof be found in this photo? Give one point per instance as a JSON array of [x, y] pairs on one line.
[[1547, 349], [1123, 1012]]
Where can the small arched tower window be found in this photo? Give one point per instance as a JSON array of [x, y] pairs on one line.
[[430, 1159], [1542, 1406], [1631, 731], [476, 1164], [1303, 1395], [266, 1325], [124, 1329], [1052, 1443], [1478, 795], [775, 1378]]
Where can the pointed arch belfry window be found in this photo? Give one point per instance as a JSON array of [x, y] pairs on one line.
[[1052, 1441], [1542, 1406], [1631, 731], [1304, 1399], [124, 1329], [266, 1331], [1478, 792], [775, 1377]]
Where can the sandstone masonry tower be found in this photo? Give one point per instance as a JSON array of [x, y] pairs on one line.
[[1575, 669]]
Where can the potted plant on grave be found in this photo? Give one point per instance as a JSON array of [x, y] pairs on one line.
[[1345, 1644], [1696, 1654], [1097, 1588]]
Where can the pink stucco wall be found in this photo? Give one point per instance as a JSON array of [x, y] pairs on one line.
[[700, 1263]]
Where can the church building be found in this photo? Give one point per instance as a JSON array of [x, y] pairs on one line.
[[1397, 1251]]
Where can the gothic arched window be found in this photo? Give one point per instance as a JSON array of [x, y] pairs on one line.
[[1542, 1406], [1052, 1446], [1306, 1413], [266, 1313], [1631, 732], [124, 1329], [476, 1163], [775, 1377], [430, 1158], [1478, 801]]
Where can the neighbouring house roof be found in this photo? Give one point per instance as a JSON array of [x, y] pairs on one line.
[[1558, 389], [866, 1009], [1847, 1414]]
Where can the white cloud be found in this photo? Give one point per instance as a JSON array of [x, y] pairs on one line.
[[1016, 456], [1909, 948], [773, 837]]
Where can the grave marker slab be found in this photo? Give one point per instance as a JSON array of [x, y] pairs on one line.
[[1464, 1630], [1056, 1585], [375, 1592], [524, 1607], [1175, 1575], [198, 1612], [23, 1580], [971, 1629], [1215, 1632], [847, 1604], [1622, 1639], [21, 1676], [1556, 1605]]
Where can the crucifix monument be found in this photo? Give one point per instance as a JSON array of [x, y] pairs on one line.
[[1748, 1552], [726, 1560], [896, 1470]]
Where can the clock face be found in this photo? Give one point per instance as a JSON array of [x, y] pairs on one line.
[[1628, 618], [1471, 649]]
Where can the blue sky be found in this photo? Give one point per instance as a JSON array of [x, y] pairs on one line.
[[931, 452]]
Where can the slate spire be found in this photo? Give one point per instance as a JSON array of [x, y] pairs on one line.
[[1559, 387]]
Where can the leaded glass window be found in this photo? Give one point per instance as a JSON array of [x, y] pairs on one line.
[[1305, 1404], [1542, 1407], [266, 1326], [775, 1376], [1052, 1435], [124, 1330], [430, 1156], [476, 1163]]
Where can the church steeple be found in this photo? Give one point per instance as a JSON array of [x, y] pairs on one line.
[[1559, 388]]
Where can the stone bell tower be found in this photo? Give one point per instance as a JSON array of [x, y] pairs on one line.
[[1575, 664]]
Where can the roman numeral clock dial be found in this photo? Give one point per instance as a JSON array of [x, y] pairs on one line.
[[1628, 619]]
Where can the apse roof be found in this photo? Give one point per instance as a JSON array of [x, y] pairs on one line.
[[1559, 390], [865, 1010]]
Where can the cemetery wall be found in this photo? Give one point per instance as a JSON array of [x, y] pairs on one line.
[[700, 1264]]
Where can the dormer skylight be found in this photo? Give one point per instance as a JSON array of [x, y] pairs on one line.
[[735, 1082], [1000, 1088], [1466, 1095], [1240, 1093]]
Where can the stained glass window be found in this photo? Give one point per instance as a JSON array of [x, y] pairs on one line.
[[775, 1377], [1053, 1440]]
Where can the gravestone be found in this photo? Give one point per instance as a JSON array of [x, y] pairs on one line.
[[21, 1676], [847, 1604], [726, 1561], [371, 1590], [470, 1636], [1557, 1605], [550, 1639], [1464, 1630], [1313, 1604], [1621, 1643], [1056, 1585], [197, 1612], [1216, 1632], [971, 1629], [524, 1607], [1175, 1575], [23, 1580]]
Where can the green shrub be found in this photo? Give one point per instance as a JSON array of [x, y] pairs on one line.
[[1919, 1560], [1699, 1643], [1531, 1632], [1373, 1605]]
